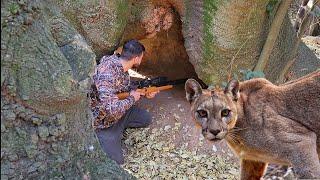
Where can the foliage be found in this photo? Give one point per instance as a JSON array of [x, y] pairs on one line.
[[248, 74], [270, 6], [152, 154]]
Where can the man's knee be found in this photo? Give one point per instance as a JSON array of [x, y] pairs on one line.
[[117, 157]]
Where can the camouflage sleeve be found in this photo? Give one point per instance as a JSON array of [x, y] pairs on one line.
[[127, 88], [114, 107]]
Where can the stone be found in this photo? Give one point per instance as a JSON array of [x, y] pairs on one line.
[[43, 132], [214, 148], [21, 133], [9, 115], [4, 177], [95, 19], [2, 152], [54, 131], [34, 138], [34, 167], [167, 127], [3, 128], [31, 150], [61, 119], [6, 169], [25, 97], [36, 120], [13, 157]]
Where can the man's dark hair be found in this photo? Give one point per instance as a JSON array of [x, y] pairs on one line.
[[132, 49]]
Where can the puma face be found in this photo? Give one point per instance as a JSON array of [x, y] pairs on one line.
[[214, 111]]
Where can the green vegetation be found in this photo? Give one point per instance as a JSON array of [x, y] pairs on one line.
[[248, 74], [270, 6], [123, 10], [210, 7], [14, 8]]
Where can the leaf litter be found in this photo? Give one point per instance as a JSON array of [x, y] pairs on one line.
[[152, 154]]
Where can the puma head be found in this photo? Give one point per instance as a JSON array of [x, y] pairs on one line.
[[213, 110]]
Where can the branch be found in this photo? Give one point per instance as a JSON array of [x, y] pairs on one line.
[[303, 27], [273, 34]]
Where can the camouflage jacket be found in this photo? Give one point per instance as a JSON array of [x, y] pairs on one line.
[[108, 80]]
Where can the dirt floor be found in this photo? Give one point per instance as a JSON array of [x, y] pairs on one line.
[[172, 147], [170, 108]]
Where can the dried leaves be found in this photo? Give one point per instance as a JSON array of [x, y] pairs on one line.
[[153, 155]]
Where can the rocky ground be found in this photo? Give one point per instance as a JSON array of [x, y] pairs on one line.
[[313, 42]]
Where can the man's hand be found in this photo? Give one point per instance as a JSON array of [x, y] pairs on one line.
[[136, 95], [151, 95]]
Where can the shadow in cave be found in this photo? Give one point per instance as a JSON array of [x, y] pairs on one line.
[[165, 54]]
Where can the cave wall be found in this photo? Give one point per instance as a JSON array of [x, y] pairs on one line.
[[216, 39], [161, 33]]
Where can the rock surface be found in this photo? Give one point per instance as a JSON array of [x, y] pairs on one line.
[[46, 128], [49, 50]]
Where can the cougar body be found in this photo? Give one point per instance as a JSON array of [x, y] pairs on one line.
[[263, 123]]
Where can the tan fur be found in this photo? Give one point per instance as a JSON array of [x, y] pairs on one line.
[[268, 123]]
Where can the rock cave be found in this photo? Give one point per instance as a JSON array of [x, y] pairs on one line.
[[48, 53]]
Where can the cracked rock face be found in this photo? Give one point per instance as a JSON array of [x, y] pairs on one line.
[[213, 40], [46, 128]]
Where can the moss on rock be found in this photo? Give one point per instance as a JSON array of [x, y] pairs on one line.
[[46, 130]]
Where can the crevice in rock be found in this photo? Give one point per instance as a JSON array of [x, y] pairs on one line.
[[160, 31]]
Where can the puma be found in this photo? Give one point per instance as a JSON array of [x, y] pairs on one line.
[[263, 123]]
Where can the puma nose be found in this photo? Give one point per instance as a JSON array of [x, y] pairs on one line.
[[215, 132]]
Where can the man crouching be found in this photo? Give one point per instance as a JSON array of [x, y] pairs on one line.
[[112, 115]]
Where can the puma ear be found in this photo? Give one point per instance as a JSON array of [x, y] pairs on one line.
[[193, 90], [233, 88]]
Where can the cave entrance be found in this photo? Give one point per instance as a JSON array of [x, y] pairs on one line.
[[166, 56], [161, 34], [160, 31]]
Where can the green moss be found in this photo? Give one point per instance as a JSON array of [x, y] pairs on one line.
[[72, 18], [271, 6], [210, 7], [136, 11], [16, 67], [63, 85], [13, 8], [123, 11], [208, 77]]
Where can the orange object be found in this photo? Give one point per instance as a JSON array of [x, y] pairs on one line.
[[145, 91]]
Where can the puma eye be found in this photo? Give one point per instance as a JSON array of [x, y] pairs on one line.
[[202, 113], [225, 113]]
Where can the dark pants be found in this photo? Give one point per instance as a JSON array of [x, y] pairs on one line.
[[110, 138]]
